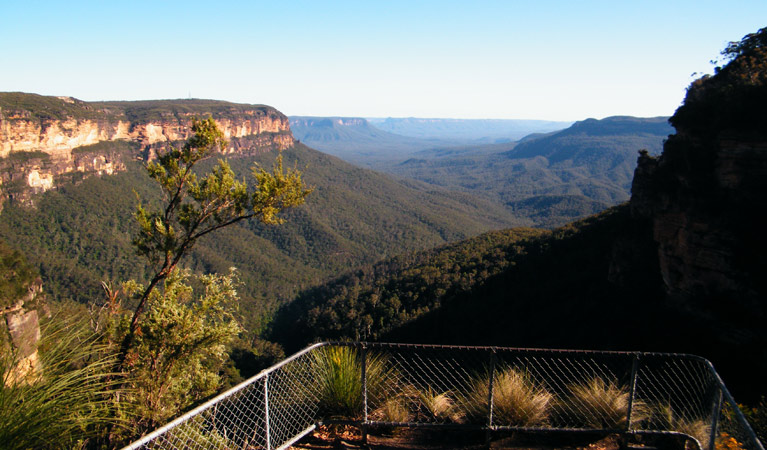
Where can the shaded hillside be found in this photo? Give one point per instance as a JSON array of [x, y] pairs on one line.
[[81, 234], [374, 299], [520, 287]]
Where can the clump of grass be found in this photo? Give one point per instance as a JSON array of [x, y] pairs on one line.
[[65, 404], [394, 409], [599, 404], [663, 417], [337, 371], [436, 406], [517, 400]]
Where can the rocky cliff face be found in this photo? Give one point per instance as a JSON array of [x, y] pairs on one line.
[[704, 199], [706, 215], [42, 138]]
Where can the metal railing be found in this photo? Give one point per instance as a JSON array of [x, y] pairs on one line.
[[641, 396]]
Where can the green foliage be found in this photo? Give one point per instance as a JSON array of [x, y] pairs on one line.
[[16, 275], [731, 101], [68, 401], [103, 147], [518, 400], [25, 156], [373, 300], [549, 180], [193, 208], [33, 106], [750, 44], [79, 235], [180, 346], [195, 434]]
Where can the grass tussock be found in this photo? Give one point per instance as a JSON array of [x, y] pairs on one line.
[[663, 417], [437, 406], [68, 401], [599, 404], [518, 400], [337, 371], [394, 410]]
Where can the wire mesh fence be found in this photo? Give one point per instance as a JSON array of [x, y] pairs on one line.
[[641, 396]]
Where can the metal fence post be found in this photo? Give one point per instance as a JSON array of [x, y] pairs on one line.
[[266, 412], [490, 397], [363, 364], [632, 396], [715, 419]]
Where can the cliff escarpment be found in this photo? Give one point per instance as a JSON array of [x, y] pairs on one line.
[[43, 138], [705, 198]]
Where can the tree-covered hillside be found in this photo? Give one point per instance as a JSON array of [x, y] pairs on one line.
[[80, 234], [593, 284], [551, 179]]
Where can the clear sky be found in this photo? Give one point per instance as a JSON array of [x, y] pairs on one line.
[[542, 59]]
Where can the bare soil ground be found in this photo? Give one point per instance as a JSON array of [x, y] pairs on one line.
[[350, 438]]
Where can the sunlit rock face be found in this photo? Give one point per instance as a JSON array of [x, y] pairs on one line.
[[42, 138]]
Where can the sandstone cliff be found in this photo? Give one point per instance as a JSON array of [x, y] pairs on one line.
[[42, 138]]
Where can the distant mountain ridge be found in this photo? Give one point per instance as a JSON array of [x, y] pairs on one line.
[[552, 178], [355, 139], [461, 131]]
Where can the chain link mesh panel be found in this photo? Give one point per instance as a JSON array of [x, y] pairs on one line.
[[677, 397]]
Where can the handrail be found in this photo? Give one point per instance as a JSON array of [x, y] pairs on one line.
[[683, 393]]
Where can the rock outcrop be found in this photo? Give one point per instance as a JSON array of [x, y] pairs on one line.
[[21, 298], [42, 138]]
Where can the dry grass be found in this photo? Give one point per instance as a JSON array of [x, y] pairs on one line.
[[438, 407], [664, 417], [517, 400], [599, 404]]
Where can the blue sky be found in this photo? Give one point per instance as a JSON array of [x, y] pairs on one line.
[[544, 59]]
